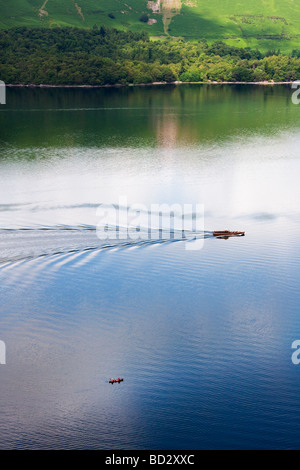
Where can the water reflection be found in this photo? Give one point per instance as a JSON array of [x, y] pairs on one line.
[[131, 116], [202, 338], [244, 178]]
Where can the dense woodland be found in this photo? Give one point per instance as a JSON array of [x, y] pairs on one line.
[[102, 56]]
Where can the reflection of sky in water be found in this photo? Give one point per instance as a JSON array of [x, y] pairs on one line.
[[203, 341], [256, 178]]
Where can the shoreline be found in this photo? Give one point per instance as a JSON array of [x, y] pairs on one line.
[[146, 84]]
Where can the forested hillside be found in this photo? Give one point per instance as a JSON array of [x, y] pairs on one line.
[[101, 56]]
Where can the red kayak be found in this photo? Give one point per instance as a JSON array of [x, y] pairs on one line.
[[228, 233], [114, 381]]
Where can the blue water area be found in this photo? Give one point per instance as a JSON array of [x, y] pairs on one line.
[[202, 337]]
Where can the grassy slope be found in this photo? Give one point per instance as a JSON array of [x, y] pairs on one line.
[[64, 13], [273, 24], [213, 19]]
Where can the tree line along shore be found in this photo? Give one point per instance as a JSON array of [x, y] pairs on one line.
[[107, 56]]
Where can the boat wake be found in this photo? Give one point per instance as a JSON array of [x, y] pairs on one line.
[[34, 242]]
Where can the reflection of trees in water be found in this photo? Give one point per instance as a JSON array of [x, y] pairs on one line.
[[167, 131], [166, 115]]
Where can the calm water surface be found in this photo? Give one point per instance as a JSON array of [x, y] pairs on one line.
[[203, 338]]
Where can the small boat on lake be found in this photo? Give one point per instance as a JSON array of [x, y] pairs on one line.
[[114, 381], [228, 233]]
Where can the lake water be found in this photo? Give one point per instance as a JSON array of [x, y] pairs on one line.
[[201, 336]]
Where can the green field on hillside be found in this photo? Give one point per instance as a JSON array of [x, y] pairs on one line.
[[80, 13], [266, 24]]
